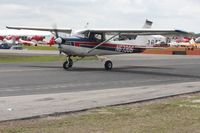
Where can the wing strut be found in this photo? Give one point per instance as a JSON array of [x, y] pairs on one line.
[[103, 42]]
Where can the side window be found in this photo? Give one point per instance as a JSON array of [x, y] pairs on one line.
[[96, 37]]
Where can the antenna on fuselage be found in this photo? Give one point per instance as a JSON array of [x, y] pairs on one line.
[[86, 25]]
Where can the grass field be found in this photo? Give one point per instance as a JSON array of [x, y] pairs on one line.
[[173, 115], [40, 47], [15, 58]]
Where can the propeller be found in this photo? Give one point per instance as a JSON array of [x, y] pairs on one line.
[[58, 39]]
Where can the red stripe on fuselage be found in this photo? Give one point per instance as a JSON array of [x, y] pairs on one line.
[[78, 44], [123, 48]]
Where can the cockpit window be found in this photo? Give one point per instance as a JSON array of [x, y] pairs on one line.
[[81, 35], [97, 37]]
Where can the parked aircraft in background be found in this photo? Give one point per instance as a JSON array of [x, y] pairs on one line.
[[12, 37], [96, 42], [35, 43], [36, 38], [1, 38], [195, 42], [26, 43], [50, 42], [183, 42]]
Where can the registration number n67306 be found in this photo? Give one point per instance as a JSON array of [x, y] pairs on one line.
[[125, 48]]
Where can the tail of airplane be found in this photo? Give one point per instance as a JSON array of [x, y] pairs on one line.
[[144, 40], [147, 24], [140, 40]]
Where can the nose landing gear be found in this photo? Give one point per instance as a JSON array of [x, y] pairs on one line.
[[68, 63]]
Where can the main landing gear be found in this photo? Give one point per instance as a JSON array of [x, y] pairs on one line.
[[69, 63], [108, 65]]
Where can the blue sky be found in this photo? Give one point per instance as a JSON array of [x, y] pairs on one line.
[[181, 14]]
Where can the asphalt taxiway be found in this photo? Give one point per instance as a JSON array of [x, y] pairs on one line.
[[87, 80], [129, 71]]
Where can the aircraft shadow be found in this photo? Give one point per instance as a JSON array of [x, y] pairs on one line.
[[159, 73], [124, 69], [132, 69], [97, 69], [37, 66]]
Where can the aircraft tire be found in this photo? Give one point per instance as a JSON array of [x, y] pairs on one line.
[[108, 65], [66, 65], [70, 63]]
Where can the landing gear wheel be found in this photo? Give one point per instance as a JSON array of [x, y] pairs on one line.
[[108, 65], [68, 64], [65, 65]]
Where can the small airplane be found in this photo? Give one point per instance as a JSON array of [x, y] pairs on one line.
[[195, 43], [36, 38], [25, 42], [99, 42], [12, 37], [32, 42], [185, 42], [49, 42]]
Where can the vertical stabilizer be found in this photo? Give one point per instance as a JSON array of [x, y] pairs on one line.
[[147, 24], [143, 40]]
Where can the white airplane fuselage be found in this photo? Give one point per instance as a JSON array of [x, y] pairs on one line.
[[77, 46]]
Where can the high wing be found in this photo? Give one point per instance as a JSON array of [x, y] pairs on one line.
[[138, 32], [114, 33], [68, 31]]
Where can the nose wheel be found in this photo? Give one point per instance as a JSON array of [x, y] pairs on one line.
[[68, 63], [108, 65]]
